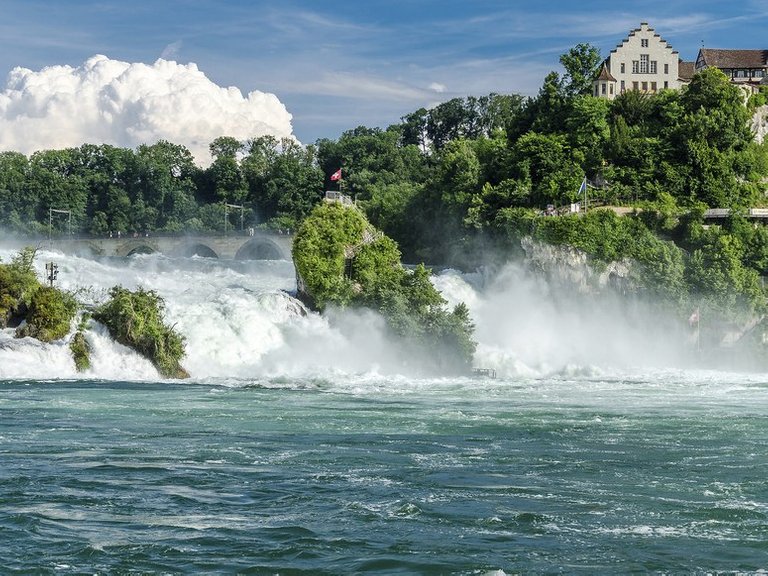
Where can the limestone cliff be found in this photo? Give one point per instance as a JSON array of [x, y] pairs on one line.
[[567, 267]]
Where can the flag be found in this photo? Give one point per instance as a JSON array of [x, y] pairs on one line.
[[583, 187], [336, 175]]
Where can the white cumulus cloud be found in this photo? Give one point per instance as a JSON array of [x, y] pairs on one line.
[[106, 101]]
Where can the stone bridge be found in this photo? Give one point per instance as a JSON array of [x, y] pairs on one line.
[[261, 246]]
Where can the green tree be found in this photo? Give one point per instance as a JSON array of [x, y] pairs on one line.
[[547, 162], [224, 175], [167, 176], [16, 203], [581, 64]]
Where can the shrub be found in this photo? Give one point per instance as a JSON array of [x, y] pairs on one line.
[[81, 352], [49, 316], [17, 285], [135, 319]]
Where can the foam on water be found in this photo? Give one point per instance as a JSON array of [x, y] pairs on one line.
[[241, 327]]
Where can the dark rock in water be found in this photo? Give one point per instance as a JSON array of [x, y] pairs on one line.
[[294, 303]]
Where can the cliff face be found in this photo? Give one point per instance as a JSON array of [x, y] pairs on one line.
[[570, 270], [567, 267], [760, 123]]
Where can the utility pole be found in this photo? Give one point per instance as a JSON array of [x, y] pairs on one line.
[[52, 271]]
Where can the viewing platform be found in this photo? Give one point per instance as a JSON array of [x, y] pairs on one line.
[[336, 196]]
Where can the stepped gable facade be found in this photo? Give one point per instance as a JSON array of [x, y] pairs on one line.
[[644, 61]]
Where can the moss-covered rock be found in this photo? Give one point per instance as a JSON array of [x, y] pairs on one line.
[[81, 351], [135, 319], [342, 260]]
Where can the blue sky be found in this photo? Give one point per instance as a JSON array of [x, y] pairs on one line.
[[339, 64]]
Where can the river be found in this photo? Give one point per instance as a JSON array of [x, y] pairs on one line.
[[300, 445]]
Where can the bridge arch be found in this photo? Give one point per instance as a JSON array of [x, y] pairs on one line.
[[132, 247], [141, 249], [259, 249], [200, 249]]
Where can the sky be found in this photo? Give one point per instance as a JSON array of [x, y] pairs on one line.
[[128, 72]]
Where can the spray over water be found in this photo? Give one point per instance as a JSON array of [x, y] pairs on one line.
[[240, 323]]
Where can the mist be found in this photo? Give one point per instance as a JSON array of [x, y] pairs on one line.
[[105, 101], [525, 325], [240, 324]]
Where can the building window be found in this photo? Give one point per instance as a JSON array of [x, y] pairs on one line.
[[623, 68], [643, 63], [623, 88], [635, 86], [602, 88], [645, 86], [653, 86], [653, 66], [759, 73], [611, 89], [666, 84], [644, 43], [635, 66], [666, 68]]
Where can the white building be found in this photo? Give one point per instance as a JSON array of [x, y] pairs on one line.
[[643, 61]]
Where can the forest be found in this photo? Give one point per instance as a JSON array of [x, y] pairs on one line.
[[460, 183]]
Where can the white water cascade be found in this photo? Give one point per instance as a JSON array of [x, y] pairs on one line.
[[240, 325]]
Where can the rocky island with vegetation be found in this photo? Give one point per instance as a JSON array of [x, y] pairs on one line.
[[133, 318], [343, 261]]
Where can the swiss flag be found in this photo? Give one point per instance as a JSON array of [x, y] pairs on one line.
[[336, 175]]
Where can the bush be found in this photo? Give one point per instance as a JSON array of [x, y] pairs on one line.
[[134, 319], [81, 352], [17, 285], [49, 316]]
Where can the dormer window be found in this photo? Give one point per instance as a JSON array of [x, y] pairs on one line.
[[644, 42]]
